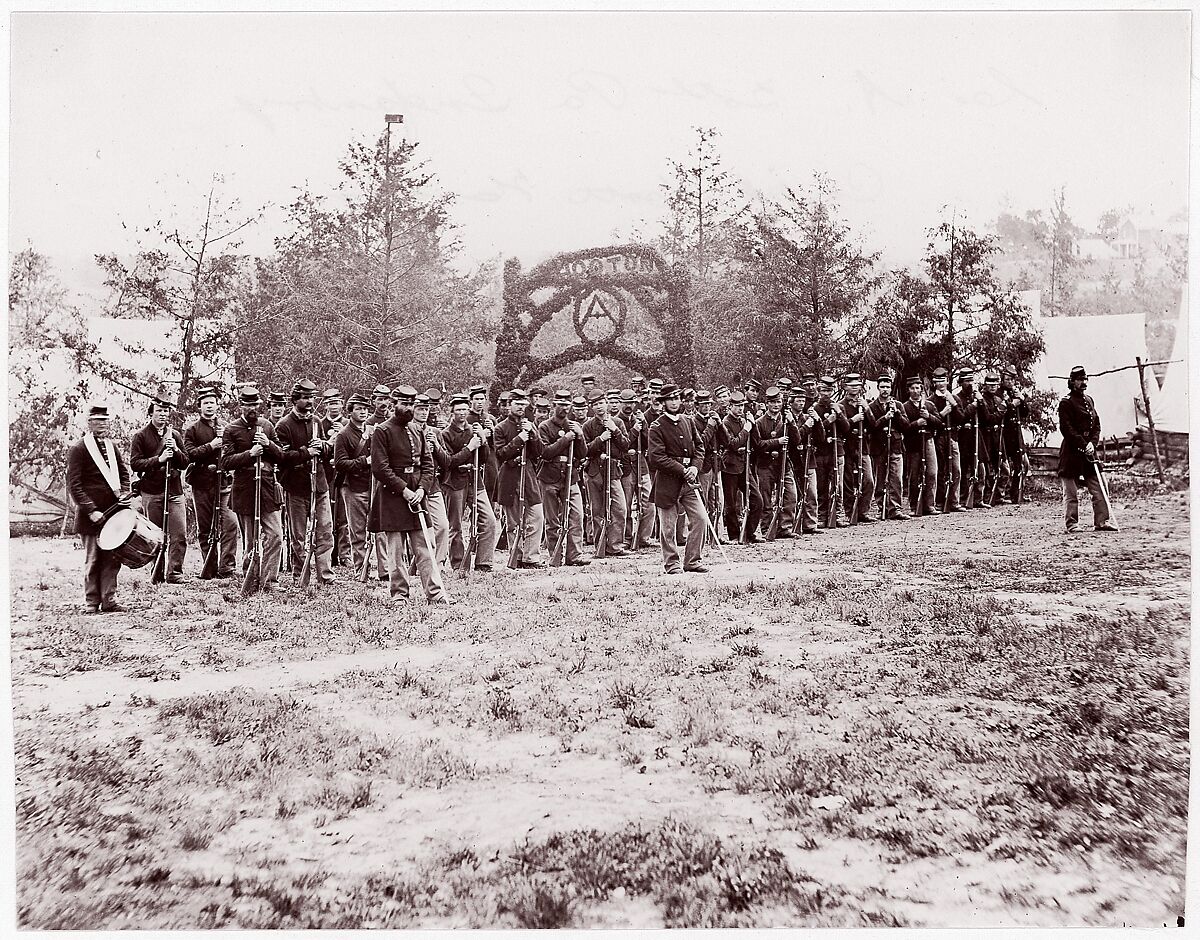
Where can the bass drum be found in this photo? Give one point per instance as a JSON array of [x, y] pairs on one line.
[[132, 537]]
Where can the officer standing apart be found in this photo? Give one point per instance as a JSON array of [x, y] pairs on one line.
[[1080, 426]]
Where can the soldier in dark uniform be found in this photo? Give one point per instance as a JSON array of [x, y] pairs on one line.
[[676, 454], [210, 487], [831, 454], [97, 479], [991, 423], [860, 475], [463, 438], [945, 441], [245, 441], [887, 424], [437, 420], [733, 472], [803, 414], [158, 455], [1080, 425], [635, 470], [330, 424], [403, 469], [607, 442], [301, 468], [969, 441], [518, 449], [715, 440], [381, 401], [753, 391], [721, 395], [1016, 416], [477, 395], [352, 473], [920, 458], [771, 439], [435, 498], [562, 438], [277, 407]]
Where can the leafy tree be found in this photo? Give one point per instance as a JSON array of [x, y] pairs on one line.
[[195, 279], [363, 287], [809, 276]]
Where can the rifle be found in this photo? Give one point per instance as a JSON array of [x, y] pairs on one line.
[[310, 529], [779, 489], [950, 480], [468, 560], [212, 558], [887, 467], [286, 563], [558, 555], [921, 438], [852, 515], [718, 493], [836, 483], [515, 539], [159, 573], [586, 501], [602, 527], [364, 571], [253, 579], [974, 460], [635, 513], [711, 529]]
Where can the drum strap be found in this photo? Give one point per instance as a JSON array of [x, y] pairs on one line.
[[107, 463]]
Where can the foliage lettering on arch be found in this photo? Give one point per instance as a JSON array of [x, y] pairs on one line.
[[596, 286]]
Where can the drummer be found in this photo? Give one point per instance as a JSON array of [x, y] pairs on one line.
[[97, 478]]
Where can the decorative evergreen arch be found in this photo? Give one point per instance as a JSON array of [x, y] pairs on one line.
[[596, 285]]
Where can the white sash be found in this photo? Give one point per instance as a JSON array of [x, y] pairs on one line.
[[107, 464]]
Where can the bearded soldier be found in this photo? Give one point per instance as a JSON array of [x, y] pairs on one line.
[[352, 468], [562, 445], [736, 483], [887, 422], [302, 472], [518, 449], [676, 453], [1080, 425], [250, 450], [210, 487], [157, 453], [860, 474], [97, 479], [403, 470]]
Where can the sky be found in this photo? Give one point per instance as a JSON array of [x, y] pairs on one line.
[[554, 130]]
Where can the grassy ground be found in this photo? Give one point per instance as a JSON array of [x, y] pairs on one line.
[[972, 720]]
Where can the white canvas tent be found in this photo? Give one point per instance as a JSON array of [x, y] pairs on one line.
[[1170, 405], [1099, 344]]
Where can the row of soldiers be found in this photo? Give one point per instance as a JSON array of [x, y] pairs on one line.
[[332, 481]]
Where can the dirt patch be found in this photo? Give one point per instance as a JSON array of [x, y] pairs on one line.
[[968, 720]]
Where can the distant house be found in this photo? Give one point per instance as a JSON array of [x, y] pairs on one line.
[[1097, 249], [1128, 243]]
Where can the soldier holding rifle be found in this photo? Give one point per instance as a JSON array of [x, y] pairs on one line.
[[518, 449]]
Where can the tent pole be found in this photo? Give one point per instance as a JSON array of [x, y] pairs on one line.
[[1150, 420]]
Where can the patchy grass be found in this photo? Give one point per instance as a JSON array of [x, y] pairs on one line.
[[873, 716]]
